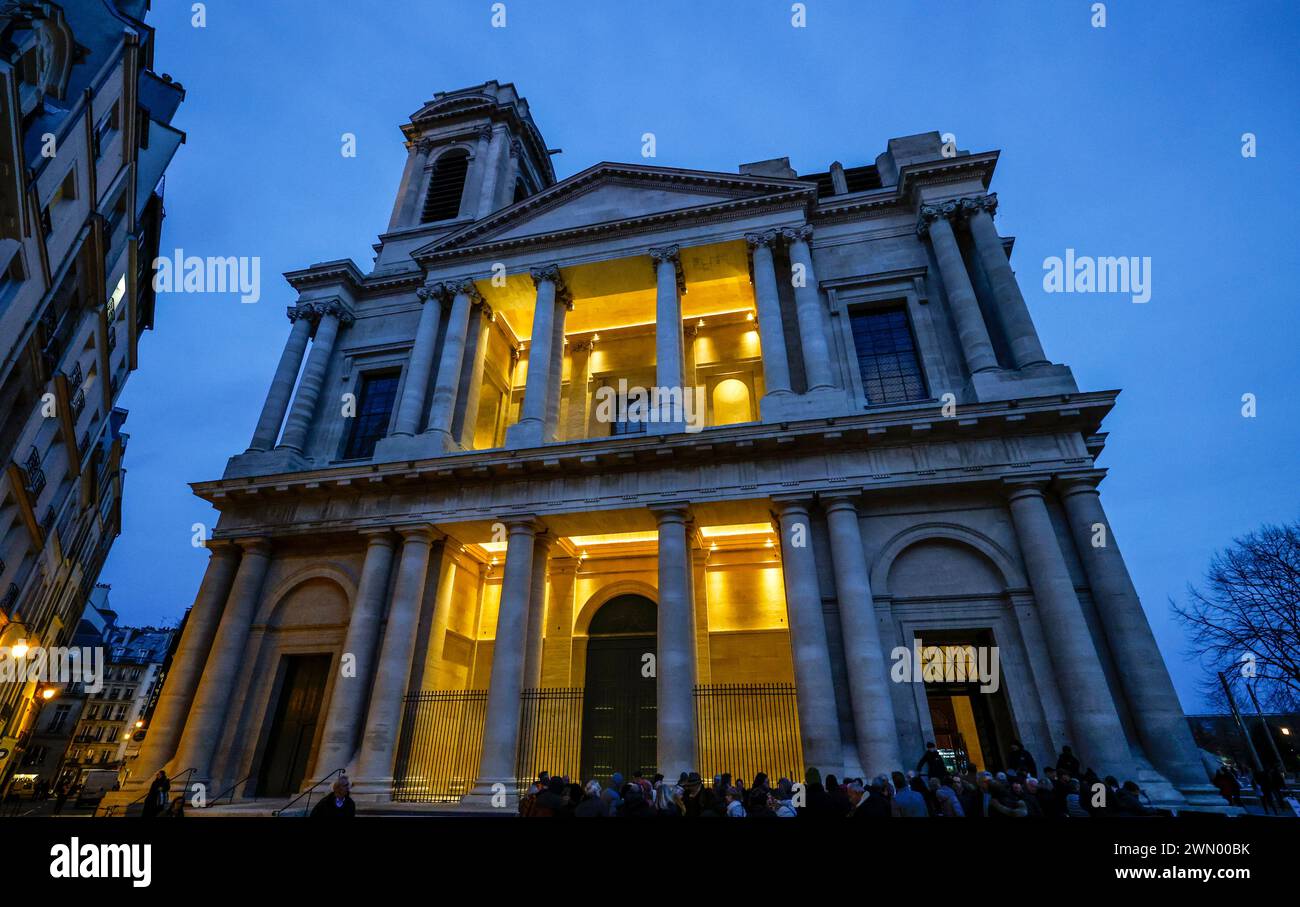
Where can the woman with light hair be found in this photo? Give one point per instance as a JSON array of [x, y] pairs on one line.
[[591, 805], [668, 806], [339, 804]]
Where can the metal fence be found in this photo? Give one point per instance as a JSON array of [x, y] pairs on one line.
[[746, 728], [439, 746], [550, 734]]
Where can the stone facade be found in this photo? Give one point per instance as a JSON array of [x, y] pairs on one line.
[[881, 453]]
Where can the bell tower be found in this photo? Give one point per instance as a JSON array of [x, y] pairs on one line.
[[470, 152]]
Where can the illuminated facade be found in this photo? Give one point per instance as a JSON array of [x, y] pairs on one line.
[[447, 526]]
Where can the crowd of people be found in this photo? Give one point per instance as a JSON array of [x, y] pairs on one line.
[[931, 790]]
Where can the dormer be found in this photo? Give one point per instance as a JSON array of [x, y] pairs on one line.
[[470, 152]]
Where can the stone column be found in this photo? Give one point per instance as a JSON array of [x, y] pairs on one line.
[[579, 412], [873, 710], [669, 367], [447, 384], [505, 688], [555, 382], [506, 189], [808, 307], [345, 716], [407, 210], [187, 664], [207, 714], [1153, 703], [542, 543], [971, 330], [374, 766], [771, 330], [492, 168], [530, 430], [442, 604], [1026, 350], [1094, 721], [410, 408], [286, 375], [814, 689], [332, 315], [471, 377], [675, 659]]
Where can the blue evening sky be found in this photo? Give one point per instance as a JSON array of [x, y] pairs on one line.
[[1123, 140]]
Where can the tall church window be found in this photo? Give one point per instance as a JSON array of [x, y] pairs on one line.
[[375, 398], [446, 186], [887, 357]]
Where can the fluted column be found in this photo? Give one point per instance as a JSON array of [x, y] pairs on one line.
[[471, 377], [808, 307], [207, 714], [669, 366], [505, 687], [447, 384], [332, 315], [410, 408], [530, 430], [971, 330], [767, 300], [814, 689], [286, 374], [555, 383], [345, 716], [168, 719], [1026, 350], [374, 770], [542, 543], [578, 413], [1153, 703], [491, 171], [1093, 719], [873, 710], [675, 658]]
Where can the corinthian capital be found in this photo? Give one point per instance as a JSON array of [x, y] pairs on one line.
[[762, 238], [439, 292], [802, 233], [977, 203], [304, 310], [467, 287], [336, 308], [930, 213]]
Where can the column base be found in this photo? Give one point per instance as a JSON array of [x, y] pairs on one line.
[[265, 463], [1031, 381], [816, 404], [372, 790], [526, 433], [492, 795], [424, 446]]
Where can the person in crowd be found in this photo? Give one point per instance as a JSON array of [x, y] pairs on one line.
[[1073, 805], [1021, 760], [338, 805], [931, 764], [666, 805], [949, 798], [612, 795], [1271, 785], [634, 803], [1228, 785], [692, 792], [709, 806], [1128, 801], [837, 797], [1068, 762], [907, 802], [590, 805], [735, 804], [1005, 803]]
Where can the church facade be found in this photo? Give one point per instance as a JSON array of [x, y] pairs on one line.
[[663, 469]]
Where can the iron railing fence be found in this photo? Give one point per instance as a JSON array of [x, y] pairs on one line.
[[439, 745], [747, 728]]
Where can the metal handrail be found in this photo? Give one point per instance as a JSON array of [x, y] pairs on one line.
[[307, 793], [230, 790], [110, 810]]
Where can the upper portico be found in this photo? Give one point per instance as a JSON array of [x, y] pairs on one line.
[[762, 296]]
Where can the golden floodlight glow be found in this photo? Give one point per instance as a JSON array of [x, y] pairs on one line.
[[612, 538], [139, 724], [19, 649], [1286, 731], [736, 529]]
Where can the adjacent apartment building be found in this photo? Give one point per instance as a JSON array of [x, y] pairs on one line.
[[85, 137], [659, 468]]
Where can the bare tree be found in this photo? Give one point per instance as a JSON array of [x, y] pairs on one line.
[[1246, 621]]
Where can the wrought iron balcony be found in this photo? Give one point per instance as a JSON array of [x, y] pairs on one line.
[[78, 404], [33, 474]]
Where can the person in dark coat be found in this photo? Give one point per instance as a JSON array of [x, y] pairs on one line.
[[1021, 761], [634, 804], [338, 805], [158, 798], [60, 796], [819, 802], [931, 763], [692, 795], [590, 806], [1068, 762]]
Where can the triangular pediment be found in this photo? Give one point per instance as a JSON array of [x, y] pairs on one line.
[[610, 195]]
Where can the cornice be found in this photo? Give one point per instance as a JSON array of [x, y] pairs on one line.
[[343, 270]]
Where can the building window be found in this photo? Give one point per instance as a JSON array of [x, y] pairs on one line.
[[374, 409], [446, 186], [887, 360], [60, 718]]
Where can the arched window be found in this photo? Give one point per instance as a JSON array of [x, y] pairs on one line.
[[446, 186]]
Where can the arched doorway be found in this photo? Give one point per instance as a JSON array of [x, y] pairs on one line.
[[618, 713]]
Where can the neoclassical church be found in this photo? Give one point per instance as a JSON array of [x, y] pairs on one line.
[[658, 469]]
